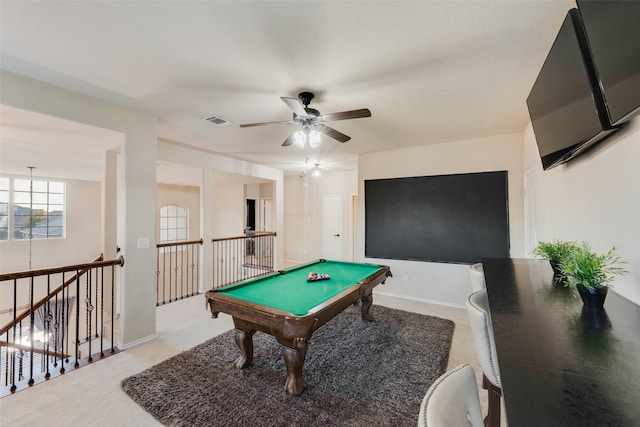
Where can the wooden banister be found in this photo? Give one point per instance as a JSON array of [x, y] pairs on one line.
[[80, 269], [190, 242], [258, 234]]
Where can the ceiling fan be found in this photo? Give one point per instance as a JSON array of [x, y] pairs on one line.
[[311, 122]]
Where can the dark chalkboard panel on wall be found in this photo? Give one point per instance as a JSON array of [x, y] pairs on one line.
[[458, 218]]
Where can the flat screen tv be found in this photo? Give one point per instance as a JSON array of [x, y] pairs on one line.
[[613, 34], [566, 105]]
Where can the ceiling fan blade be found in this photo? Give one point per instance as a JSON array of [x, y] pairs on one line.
[[295, 105], [344, 115], [332, 133], [248, 125], [287, 142]]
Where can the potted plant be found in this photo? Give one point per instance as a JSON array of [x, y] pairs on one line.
[[590, 273], [555, 251]]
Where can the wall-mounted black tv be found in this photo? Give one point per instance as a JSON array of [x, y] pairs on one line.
[[613, 34], [566, 105]]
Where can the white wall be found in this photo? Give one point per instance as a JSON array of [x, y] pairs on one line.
[[266, 191], [304, 213], [228, 210], [441, 282], [593, 198], [303, 218]]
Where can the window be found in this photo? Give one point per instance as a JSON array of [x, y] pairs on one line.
[[31, 209], [173, 224], [4, 208]]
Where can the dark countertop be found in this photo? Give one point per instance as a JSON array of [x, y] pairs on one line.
[[561, 364]]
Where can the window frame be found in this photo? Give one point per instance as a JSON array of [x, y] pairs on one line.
[[172, 222], [43, 194]]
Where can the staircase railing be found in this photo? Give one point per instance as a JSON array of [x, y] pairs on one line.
[[177, 270], [243, 257], [49, 337]]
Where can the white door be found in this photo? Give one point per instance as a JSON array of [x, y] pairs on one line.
[[332, 227], [267, 214]]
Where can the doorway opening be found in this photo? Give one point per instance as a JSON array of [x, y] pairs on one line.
[[250, 221]]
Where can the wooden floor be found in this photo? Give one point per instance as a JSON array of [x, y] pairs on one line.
[[92, 395]]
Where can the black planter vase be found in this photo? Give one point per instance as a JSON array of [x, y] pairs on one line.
[[596, 319], [593, 299]]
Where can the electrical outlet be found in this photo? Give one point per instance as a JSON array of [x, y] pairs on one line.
[[405, 277]]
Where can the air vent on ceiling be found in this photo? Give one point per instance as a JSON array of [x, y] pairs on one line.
[[217, 120]]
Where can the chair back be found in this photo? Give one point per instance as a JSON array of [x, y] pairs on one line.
[[476, 275], [452, 401], [482, 332]]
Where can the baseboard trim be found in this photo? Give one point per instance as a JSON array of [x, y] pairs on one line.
[[294, 262], [125, 346], [429, 301]]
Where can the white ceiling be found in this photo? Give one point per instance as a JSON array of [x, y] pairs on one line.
[[429, 71]]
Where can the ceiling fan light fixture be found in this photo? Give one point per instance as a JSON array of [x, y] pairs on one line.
[[299, 139], [315, 138], [317, 173], [311, 120]]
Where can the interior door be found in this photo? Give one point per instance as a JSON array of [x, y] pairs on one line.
[[267, 214], [332, 227]]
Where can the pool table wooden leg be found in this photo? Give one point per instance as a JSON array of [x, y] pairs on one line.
[[245, 344], [367, 300], [294, 360]]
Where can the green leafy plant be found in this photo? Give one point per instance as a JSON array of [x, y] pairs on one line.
[[554, 251], [585, 267]]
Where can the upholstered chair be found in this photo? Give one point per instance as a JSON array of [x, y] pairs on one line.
[[452, 401], [476, 274], [482, 332]]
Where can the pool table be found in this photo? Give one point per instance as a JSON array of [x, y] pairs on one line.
[[290, 308]]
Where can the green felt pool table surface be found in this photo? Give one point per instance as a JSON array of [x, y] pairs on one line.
[[290, 291]]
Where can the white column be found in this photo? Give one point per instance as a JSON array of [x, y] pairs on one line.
[[109, 229], [109, 204], [278, 197], [137, 228]]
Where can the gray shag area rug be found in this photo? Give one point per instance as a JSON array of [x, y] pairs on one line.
[[357, 373]]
